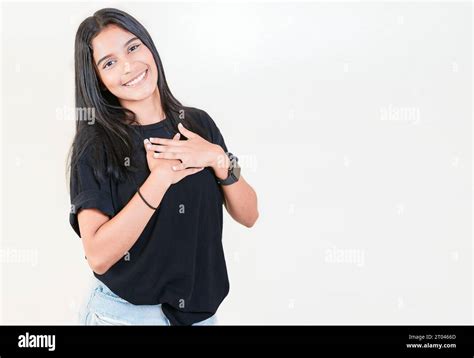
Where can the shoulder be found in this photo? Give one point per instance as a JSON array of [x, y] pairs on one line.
[[91, 158], [204, 119], [196, 113], [92, 154]]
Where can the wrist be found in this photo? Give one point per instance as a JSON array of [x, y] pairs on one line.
[[221, 163], [158, 177]]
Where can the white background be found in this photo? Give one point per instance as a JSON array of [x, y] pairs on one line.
[[353, 125]]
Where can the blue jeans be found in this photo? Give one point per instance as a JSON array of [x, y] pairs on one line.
[[103, 307]]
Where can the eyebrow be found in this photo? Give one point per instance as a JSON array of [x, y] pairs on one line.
[[125, 45]]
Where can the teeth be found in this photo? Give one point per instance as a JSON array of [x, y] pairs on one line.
[[136, 80]]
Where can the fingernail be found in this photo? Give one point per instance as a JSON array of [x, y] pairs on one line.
[[174, 168], [155, 155], [145, 140], [179, 124]]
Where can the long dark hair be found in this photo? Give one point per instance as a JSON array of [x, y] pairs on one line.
[[109, 137]]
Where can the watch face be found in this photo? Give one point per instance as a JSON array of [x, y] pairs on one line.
[[233, 161], [236, 172]]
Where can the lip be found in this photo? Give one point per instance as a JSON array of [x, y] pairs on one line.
[[138, 83]]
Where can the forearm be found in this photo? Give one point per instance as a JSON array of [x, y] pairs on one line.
[[240, 198], [113, 239], [241, 202]]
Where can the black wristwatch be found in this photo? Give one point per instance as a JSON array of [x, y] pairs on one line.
[[233, 173]]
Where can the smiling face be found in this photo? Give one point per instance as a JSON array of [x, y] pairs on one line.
[[124, 64]]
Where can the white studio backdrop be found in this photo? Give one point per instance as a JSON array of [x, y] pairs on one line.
[[353, 125]]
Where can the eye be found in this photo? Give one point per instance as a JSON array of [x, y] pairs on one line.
[[134, 46], [105, 66]]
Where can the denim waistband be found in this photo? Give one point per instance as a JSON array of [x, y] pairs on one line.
[[104, 301]]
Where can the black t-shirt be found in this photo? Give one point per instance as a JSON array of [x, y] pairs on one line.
[[178, 260]]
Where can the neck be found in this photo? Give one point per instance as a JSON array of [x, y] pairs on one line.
[[148, 110]]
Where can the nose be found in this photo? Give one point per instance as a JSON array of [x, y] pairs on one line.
[[127, 67]]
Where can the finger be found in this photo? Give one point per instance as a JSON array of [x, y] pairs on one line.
[[179, 167], [167, 148], [176, 136], [187, 133], [148, 147], [165, 141], [167, 155], [189, 171]]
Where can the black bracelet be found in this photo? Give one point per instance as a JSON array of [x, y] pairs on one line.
[[146, 202]]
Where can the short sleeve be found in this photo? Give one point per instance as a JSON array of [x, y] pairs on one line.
[[86, 192], [216, 135]]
